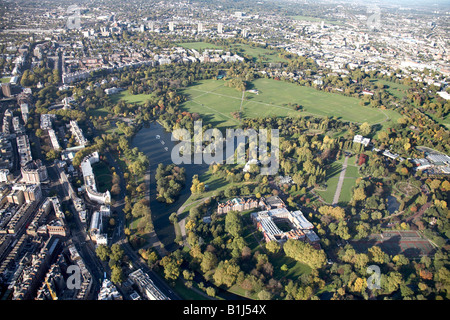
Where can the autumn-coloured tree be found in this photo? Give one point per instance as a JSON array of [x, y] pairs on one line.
[[425, 274], [362, 159]]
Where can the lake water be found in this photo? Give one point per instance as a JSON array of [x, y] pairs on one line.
[[392, 204], [157, 145]]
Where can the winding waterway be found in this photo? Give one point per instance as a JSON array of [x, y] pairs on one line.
[[155, 142]]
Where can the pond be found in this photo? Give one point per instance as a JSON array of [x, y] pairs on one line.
[[392, 204]]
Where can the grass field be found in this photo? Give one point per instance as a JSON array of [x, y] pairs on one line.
[[445, 121], [332, 177], [295, 268], [130, 98], [214, 101], [213, 184], [199, 46], [396, 89], [256, 53], [102, 176]]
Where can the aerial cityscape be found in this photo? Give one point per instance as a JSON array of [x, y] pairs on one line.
[[224, 150]]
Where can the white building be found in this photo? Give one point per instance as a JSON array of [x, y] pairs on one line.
[[77, 133], [108, 291], [89, 180], [54, 139], [112, 90], [146, 286], [360, 139], [266, 222], [4, 175], [444, 95]]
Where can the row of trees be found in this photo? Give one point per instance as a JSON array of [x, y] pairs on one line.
[[115, 257]]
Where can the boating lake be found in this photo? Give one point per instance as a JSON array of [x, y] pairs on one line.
[[155, 142]]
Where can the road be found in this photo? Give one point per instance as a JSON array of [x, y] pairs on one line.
[[139, 263], [78, 233]]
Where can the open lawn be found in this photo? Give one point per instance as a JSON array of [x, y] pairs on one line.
[[332, 177], [214, 101], [98, 112], [213, 184], [398, 90], [130, 98], [445, 121], [199, 46], [256, 53], [103, 176], [294, 271]]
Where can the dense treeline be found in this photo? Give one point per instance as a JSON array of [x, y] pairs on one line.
[[170, 179]]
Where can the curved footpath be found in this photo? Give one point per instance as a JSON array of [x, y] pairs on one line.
[[182, 222]]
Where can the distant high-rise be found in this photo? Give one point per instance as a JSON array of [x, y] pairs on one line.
[[151, 26], [245, 33], [220, 27], [200, 27], [171, 26]]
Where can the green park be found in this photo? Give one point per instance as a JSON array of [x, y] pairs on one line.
[[215, 102]]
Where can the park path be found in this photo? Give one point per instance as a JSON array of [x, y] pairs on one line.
[[420, 212], [340, 182], [242, 100], [182, 222]]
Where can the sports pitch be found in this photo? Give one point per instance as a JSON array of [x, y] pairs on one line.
[[215, 102], [409, 243]]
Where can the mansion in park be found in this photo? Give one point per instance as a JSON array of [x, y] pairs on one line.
[[273, 219], [241, 204], [280, 224]]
